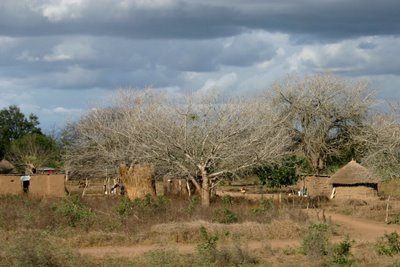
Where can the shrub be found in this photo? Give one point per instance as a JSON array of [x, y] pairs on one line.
[[341, 252], [225, 216], [124, 207], [207, 248], [193, 204], [74, 212], [264, 206], [227, 200], [33, 248], [389, 244], [316, 241]]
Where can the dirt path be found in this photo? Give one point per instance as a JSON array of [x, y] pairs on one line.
[[358, 229]]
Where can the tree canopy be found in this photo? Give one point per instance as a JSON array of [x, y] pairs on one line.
[[13, 125]]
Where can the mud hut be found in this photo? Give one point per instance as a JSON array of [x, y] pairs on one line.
[[354, 181], [138, 180], [5, 166]]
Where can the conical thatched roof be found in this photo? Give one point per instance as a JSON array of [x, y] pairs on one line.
[[353, 173], [5, 166]]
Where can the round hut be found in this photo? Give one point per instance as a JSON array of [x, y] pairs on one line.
[[5, 166], [354, 181]]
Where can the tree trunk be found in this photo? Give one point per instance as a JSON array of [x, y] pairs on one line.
[[205, 189]]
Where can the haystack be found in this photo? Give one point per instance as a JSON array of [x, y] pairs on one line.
[[5, 166], [138, 180], [354, 181]]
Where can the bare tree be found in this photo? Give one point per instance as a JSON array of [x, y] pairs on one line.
[[380, 142], [201, 138], [322, 112]]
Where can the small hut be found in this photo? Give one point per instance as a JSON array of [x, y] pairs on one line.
[[5, 166], [138, 180], [353, 181]]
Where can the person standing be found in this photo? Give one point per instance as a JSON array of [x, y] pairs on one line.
[[25, 183]]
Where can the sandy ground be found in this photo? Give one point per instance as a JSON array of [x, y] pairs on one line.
[[357, 229]]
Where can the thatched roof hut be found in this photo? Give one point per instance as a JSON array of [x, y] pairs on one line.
[[5, 166], [354, 181]]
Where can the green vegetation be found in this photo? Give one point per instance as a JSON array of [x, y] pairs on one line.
[[389, 244]]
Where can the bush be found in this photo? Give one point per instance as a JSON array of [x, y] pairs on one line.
[[341, 252], [193, 204], [227, 200], [124, 207], [389, 244], [316, 241], [32, 248], [264, 206], [74, 212], [225, 216], [207, 248]]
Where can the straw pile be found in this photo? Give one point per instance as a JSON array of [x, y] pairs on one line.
[[138, 180]]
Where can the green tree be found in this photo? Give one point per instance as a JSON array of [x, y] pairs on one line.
[[282, 173], [13, 125], [34, 149]]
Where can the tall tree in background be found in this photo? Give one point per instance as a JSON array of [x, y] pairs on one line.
[[34, 150], [14, 125], [323, 111], [202, 138], [380, 142]]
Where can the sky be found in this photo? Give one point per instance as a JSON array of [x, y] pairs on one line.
[[58, 58]]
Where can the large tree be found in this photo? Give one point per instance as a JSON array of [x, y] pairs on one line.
[[201, 138], [13, 125], [34, 150], [380, 142], [323, 111]]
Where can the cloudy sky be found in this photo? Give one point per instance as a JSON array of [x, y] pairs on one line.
[[59, 57]]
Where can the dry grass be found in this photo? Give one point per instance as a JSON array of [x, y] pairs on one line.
[[189, 231]]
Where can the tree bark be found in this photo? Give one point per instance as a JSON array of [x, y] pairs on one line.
[[205, 189]]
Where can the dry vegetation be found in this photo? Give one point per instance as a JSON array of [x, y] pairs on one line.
[[236, 232]]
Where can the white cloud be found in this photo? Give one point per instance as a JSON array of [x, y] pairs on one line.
[[56, 11]]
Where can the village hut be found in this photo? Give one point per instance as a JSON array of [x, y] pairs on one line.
[[354, 181], [5, 166], [138, 180]]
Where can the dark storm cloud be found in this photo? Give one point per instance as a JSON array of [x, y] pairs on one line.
[[332, 19]]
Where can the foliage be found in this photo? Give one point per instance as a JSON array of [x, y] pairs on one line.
[[225, 215], [74, 212], [150, 203], [33, 248], [14, 125], [227, 200], [264, 206], [283, 173], [389, 244], [193, 204], [341, 252], [394, 220], [124, 207], [36, 149], [207, 248], [316, 241]]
